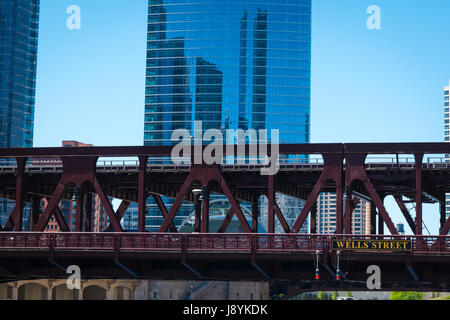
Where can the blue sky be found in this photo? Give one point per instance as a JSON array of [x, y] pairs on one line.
[[367, 85]]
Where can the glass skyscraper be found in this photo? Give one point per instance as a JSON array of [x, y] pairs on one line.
[[235, 64], [19, 20]]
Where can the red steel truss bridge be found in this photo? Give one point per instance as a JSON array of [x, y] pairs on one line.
[[413, 173]]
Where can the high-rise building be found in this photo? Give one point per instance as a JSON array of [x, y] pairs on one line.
[[19, 21], [207, 60], [326, 215], [232, 65], [447, 138]]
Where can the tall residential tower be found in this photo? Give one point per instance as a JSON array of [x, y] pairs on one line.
[[19, 20]]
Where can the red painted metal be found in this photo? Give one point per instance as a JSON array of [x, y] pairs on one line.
[[430, 245], [331, 171], [419, 226], [406, 214], [16, 218], [271, 205], [123, 207], [79, 170], [205, 209], [142, 193], [255, 215], [226, 222], [163, 209], [354, 170], [281, 218], [198, 213]]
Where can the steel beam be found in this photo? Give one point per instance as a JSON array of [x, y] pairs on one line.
[[142, 193], [123, 207], [226, 222], [332, 171], [281, 218], [419, 225], [406, 213], [355, 171], [205, 209], [255, 214], [163, 209], [271, 204]]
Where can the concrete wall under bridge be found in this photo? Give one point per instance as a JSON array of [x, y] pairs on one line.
[[134, 290]]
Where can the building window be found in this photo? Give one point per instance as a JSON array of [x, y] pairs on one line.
[[237, 296]]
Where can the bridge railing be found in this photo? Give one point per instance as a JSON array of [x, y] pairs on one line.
[[203, 242]]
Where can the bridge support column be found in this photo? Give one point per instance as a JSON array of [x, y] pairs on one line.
[[255, 214], [339, 198], [442, 209], [205, 209], [348, 210], [355, 170], [87, 212], [142, 193], [35, 211], [271, 205], [313, 219], [373, 218], [80, 217], [15, 219], [198, 214], [380, 225], [419, 225], [20, 193]]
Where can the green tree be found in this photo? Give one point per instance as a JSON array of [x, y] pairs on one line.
[[407, 295], [334, 295], [323, 296], [349, 294]]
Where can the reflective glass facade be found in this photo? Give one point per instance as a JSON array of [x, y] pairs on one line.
[[19, 21], [232, 64]]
